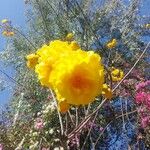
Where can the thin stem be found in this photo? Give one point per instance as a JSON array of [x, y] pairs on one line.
[[71, 117], [90, 27], [66, 124], [123, 119], [110, 123], [89, 131], [40, 144], [77, 117], [60, 118], [44, 22], [29, 41], [16, 82], [85, 121], [14, 29], [87, 111]]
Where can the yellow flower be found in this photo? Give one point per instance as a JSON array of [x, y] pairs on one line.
[[48, 56], [55, 49], [69, 36], [32, 60], [107, 92], [4, 33], [111, 44], [63, 106], [8, 33], [147, 26], [78, 77], [4, 21], [60, 46], [11, 33], [75, 75], [74, 45], [117, 74], [43, 70]]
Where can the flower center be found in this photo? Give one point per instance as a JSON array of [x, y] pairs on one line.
[[80, 82]]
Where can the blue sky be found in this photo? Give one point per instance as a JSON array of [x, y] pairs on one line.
[[14, 10]]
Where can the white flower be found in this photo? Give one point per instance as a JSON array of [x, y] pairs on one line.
[[51, 131]]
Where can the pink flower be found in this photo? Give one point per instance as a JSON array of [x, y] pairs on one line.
[[140, 97], [147, 82], [126, 81], [145, 122], [147, 103], [92, 124], [49, 97], [125, 93], [39, 124], [141, 110], [101, 129], [148, 97], [1, 147], [141, 85]]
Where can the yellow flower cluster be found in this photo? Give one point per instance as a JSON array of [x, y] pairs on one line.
[[7, 31], [111, 44], [69, 36], [75, 75], [4, 21], [116, 74], [107, 92], [32, 60]]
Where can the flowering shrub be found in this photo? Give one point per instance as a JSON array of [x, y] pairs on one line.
[[142, 98]]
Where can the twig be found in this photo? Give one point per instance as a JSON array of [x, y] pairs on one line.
[[87, 111], [89, 131], [77, 117], [60, 118], [44, 21], [122, 112], [132, 66], [66, 130], [28, 40], [110, 123], [71, 117]]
